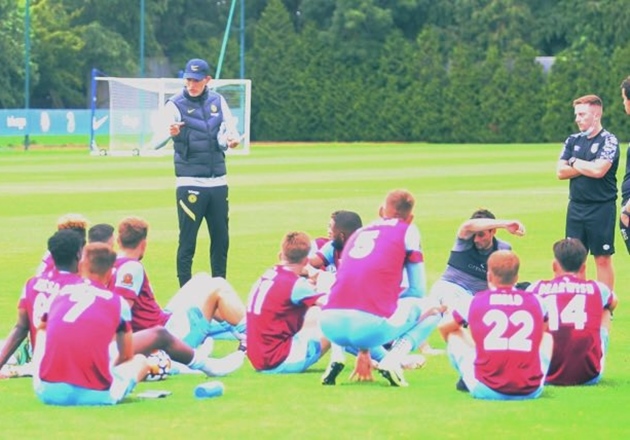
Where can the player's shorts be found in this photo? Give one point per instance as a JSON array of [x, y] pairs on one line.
[[604, 338], [362, 330], [449, 294], [305, 351], [65, 394], [462, 357], [594, 225]]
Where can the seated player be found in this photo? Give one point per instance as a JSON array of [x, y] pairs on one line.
[[73, 222], [365, 308], [466, 270], [506, 353], [580, 312], [341, 226], [101, 233], [64, 248], [202, 307], [73, 349], [281, 339]]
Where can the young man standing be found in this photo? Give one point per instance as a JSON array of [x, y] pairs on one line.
[[589, 159]]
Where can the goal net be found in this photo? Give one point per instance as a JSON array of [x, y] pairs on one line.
[[128, 112]]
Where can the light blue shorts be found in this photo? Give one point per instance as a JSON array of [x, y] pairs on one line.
[[462, 357], [362, 330], [305, 351], [65, 394]]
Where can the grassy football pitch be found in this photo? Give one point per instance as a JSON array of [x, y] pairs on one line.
[[296, 187]]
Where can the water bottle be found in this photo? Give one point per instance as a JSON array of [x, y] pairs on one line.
[[209, 389]]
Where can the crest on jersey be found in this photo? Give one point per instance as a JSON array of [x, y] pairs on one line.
[[213, 108], [192, 198], [594, 148], [127, 280]]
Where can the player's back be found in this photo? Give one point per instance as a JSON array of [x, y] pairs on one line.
[[507, 326], [38, 293], [370, 276], [82, 322], [272, 318], [575, 308]]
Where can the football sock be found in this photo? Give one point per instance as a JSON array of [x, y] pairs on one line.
[[224, 365], [337, 353], [400, 349], [198, 360]]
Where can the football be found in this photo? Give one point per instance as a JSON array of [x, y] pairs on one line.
[[159, 366]]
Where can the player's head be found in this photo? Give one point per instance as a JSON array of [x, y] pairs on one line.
[[569, 256], [101, 233], [484, 240], [75, 222], [97, 261], [65, 248], [588, 112], [482, 213], [341, 226], [295, 247], [625, 94], [399, 203], [132, 233], [197, 76], [503, 268]]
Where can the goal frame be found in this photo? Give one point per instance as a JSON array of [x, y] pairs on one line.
[[163, 88]]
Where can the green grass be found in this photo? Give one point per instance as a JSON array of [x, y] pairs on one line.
[[290, 187]]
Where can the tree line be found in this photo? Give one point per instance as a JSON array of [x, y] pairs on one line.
[[352, 70]]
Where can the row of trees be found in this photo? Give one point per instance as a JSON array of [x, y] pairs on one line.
[[352, 70]]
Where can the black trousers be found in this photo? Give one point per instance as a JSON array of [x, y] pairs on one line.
[[193, 205]]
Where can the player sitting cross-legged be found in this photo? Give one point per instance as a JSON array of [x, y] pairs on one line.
[[64, 249], [282, 329], [72, 222], [506, 353], [580, 313], [73, 342]]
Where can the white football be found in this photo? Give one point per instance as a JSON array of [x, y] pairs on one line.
[[159, 366]]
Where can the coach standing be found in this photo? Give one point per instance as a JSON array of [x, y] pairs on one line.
[[590, 159], [202, 129]]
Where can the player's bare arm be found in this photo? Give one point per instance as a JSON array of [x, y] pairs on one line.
[[564, 170], [595, 169], [472, 226]]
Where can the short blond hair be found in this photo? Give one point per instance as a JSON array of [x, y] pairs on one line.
[[590, 100], [399, 203], [504, 266], [295, 246]]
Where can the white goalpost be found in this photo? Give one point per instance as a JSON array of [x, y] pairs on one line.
[[128, 112]]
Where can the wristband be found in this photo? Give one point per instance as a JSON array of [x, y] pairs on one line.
[[571, 161]]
